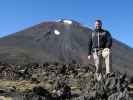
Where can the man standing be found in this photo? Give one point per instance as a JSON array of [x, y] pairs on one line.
[[100, 44]]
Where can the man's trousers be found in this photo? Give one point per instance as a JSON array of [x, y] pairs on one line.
[[100, 59]]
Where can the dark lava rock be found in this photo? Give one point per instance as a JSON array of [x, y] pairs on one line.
[[61, 82], [41, 91]]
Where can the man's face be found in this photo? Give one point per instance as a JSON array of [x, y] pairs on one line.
[[98, 25]]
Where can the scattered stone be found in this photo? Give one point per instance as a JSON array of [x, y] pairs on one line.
[[61, 82]]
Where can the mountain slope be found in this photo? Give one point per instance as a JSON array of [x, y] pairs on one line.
[[65, 41]]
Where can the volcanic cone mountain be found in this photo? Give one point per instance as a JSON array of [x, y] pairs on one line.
[[64, 41]]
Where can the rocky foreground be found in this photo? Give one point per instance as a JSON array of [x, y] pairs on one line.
[[61, 82]]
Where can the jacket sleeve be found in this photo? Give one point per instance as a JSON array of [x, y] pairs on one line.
[[109, 40], [90, 45]]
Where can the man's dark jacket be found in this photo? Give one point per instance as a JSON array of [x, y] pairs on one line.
[[104, 37]]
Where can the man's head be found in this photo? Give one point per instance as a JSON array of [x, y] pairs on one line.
[[98, 24]]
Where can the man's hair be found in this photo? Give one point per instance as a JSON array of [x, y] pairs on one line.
[[98, 20]]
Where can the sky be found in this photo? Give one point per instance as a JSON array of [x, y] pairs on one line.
[[117, 15]]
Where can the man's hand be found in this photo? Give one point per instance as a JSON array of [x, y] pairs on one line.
[[105, 52], [89, 57]]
